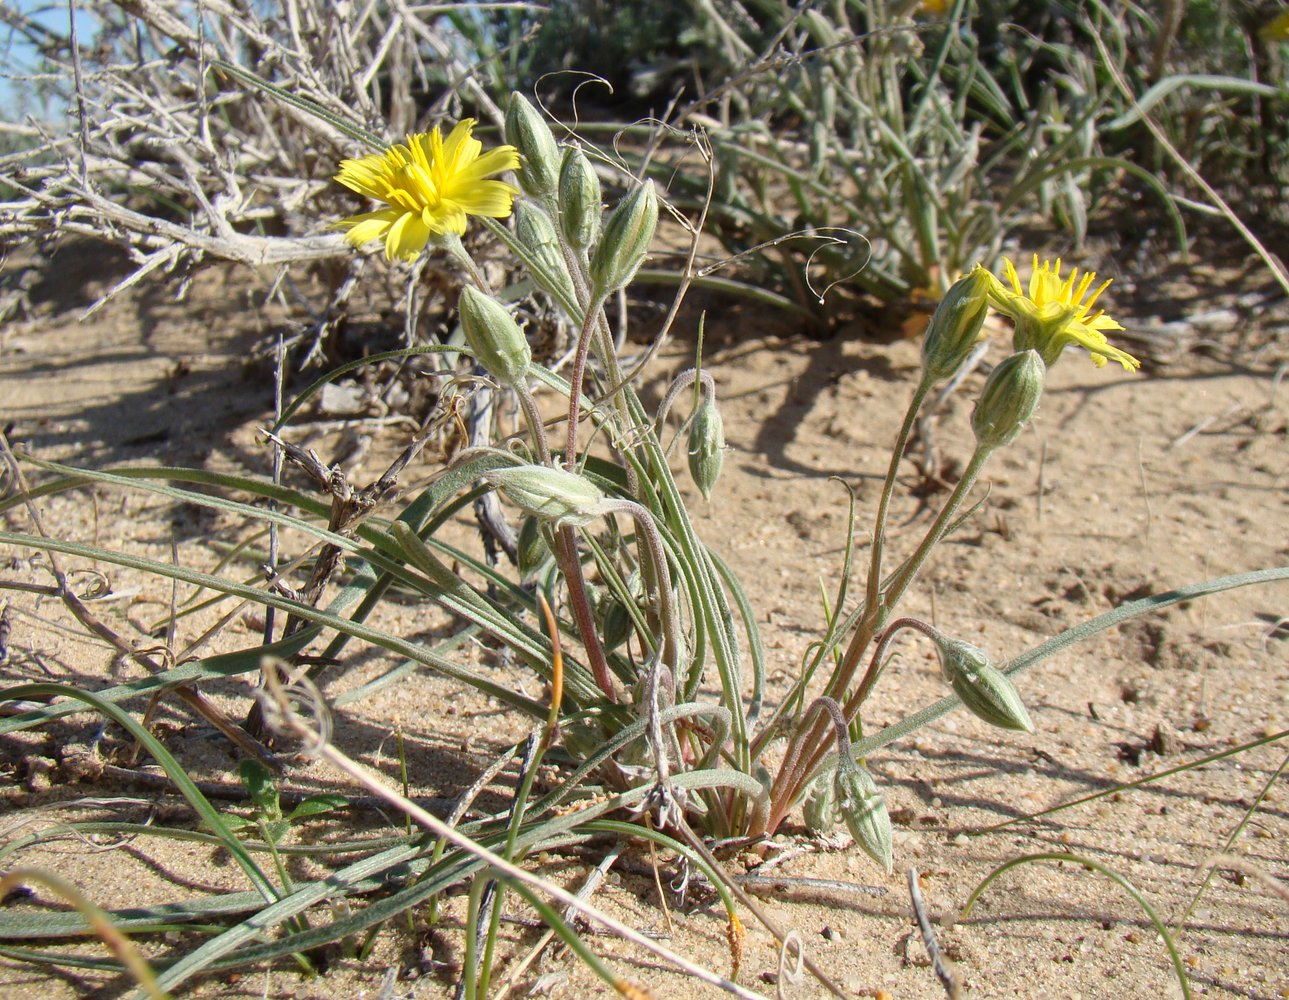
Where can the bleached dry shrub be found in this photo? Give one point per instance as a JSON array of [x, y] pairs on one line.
[[168, 156]]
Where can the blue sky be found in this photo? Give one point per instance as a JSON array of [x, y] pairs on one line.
[[18, 56]]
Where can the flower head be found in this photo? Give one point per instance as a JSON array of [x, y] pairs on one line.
[[954, 330], [1277, 29], [550, 494], [430, 186], [626, 239], [498, 344], [706, 447], [1055, 313], [986, 691], [1009, 399], [864, 810]]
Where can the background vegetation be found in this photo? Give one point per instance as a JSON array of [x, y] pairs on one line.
[[850, 158]]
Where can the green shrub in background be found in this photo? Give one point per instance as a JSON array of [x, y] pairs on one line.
[[1215, 83], [932, 136], [893, 145], [641, 50], [901, 142]]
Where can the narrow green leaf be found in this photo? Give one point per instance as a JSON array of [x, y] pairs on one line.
[[213, 819], [317, 805]]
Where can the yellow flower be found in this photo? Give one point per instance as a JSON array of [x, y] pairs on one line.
[[1055, 313], [430, 185], [1277, 29]]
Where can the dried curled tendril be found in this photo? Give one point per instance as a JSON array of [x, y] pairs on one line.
[[294, 708]]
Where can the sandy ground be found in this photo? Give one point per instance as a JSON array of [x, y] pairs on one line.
[[1124, 486]]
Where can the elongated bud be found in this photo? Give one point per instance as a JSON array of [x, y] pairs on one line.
[[615, 623], [531, 550], [550, 494], [537, 233], [1277, 29], [986, 691], [528, 132], [706, 447], [820, 807], [862, 807], [955, 327], [494, 337], [584, 734], [626, 239], [1009, 399], [580, 207]]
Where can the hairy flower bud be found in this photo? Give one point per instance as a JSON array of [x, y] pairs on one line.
[[862, 807], [550, 494], [528, 132], [494, 337], [706, 447], [585, 733], [820, 807], [580, 207], [1008, 400], [955, 327], [986, 691], [626, 239], [537, 233], [615, 623], [531, 549]]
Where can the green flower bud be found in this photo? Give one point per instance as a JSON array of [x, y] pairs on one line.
[[580, 207], [532, 549], [986, 691], [615, 623], [626, 239], [494, 337], [550, 494], [1008, 400], [955, 327], [864, 810], [706, 447], [820, 807], [582, 737], [585, 735], [528, 132], [537, 233]]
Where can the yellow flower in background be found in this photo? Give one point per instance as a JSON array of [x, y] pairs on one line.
[[431, 186], [1055, 313], [1277, 29]]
